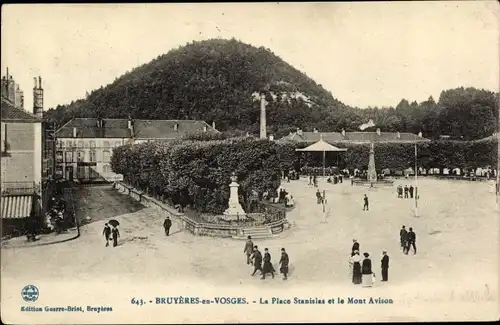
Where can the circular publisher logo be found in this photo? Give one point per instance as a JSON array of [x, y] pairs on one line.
[[30, 293]]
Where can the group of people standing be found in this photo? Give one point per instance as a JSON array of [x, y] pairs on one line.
[[335, 179], [408, 240], [54, 218], [111, 233], [360, 270], [264, 264], [408, 191]]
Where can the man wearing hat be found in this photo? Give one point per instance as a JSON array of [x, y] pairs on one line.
[[284, 263], [385, 266], [248, 250]]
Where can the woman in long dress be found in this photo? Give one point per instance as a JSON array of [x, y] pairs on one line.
[[351, 262], [356, 268], [366, 271]]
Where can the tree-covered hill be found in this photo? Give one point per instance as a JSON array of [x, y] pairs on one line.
[[213, 80], [219, 80]]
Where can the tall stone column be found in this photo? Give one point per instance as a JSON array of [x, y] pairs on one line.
[[372, 172], [235, 210], [263, 126]]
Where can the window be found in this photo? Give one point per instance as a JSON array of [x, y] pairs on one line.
[[118, 143], [92, 144], [69, 156], [59, 157], [92, 157], [80, 144], [106, 144], [80, 172], [106, 169], [81, 155], [69, 144], [105, 156], [60, 144]]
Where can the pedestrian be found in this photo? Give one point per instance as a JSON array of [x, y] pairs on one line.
[[167, 224], [356, 268], [107, 233], [412, 238], [355, 246], [400, 192], [365, 204], [406, 191], [315, 181], [268, 266], [257, 260], [403, 237], [319, 198], [116, 234], [366, 271], [248, 250], [351, 264], [410, 190], [385, 266], [284, 263], [310, 179]]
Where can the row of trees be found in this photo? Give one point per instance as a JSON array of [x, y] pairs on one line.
[[198, 172], [214, 80], [398, 156]]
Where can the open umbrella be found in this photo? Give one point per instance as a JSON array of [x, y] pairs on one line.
[[114, 223]]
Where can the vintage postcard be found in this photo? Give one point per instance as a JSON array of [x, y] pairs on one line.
[[250, 162]]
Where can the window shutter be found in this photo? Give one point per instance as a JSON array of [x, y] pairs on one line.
[[3, 136]]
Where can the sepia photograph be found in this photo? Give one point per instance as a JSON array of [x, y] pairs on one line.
[[192, 163]]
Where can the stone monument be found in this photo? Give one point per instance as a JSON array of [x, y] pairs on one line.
[[372, 172], [234, 211]]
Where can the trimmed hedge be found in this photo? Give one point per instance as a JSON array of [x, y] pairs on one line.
[[399, 156], [198, 172]]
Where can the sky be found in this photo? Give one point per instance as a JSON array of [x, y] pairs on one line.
[[366, 54]]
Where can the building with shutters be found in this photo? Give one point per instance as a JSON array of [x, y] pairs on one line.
[[21, 137], [21, 163], [85, 145]]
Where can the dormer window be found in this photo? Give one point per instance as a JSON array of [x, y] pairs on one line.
[[176, 126]]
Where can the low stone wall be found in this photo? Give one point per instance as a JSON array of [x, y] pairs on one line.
[[195, 227]]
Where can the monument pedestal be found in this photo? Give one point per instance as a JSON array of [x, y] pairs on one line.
[[235, 210]]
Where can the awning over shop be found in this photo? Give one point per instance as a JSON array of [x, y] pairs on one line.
[[16, 206]]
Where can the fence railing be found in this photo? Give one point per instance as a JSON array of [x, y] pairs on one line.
[[270, 216], [18, 188]]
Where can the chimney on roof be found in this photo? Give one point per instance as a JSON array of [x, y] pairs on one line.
[[271, 137], [420, 134], [378, 131], [204, 128], [398, 135], [299, 131], [343, 132], [74, 132], [213, 125], [176, 126], [38, 98], [315, 130]]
